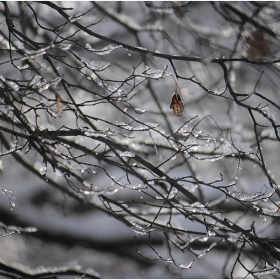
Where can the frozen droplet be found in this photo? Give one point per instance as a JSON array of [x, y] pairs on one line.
[[86, 192], [211, 233], [96, 65], [232, 238], [86, 184], [225, 141], [103, 51], [232, 77], [30, 229], [75, 17], [203, 239], [171, 195], [12, 205], [43, 170], [138, 229], [153, 73], [13, 85], [265, 271], [113, 88], [127, 154], [55, 82], [64, 47], [139, 110], [41, 84], [36, 81], [192, 188], [39, 166], [268, 132], [266, 111], [25, 66], [201, 255], [141, 48], [186, 266], [152, 125], [263, 218]]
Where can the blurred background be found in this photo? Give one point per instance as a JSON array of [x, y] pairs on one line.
[[108, 70]]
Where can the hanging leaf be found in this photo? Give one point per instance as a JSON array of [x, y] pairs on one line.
[[59, 106], [257, 45], [177, 104]]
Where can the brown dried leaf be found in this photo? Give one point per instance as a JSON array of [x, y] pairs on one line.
[[176, 104], [257, 45], [59, 106]]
